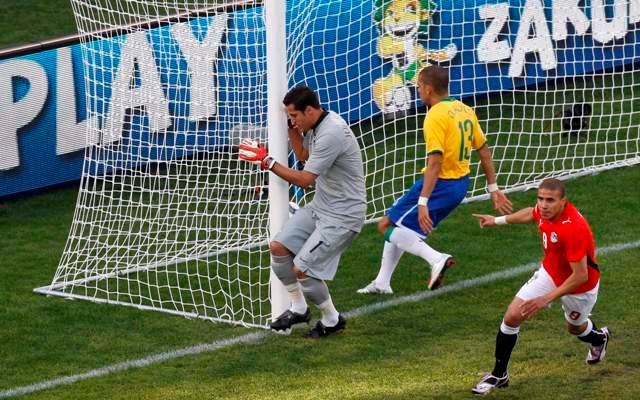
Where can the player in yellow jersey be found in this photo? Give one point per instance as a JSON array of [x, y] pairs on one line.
[[451, 130]]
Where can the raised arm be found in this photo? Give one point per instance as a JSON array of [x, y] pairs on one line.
[[297, 143], [252, 151], [303, 179], [524, 216], [500, 202]]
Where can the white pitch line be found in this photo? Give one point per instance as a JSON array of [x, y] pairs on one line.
[[251, 338], [143, 362], [500, 275]]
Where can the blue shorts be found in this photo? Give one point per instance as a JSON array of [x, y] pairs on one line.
[[445, 197]]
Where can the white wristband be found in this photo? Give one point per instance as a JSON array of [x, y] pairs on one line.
[[422, 201], [501, 220], [270, 162], [492, 187]]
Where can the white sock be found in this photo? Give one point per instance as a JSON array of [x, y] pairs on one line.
[[588, 329], [408, 241], [298, 303], [390, 256], [329, 313]]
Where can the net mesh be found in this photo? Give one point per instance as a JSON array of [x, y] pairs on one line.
[[168, 219]]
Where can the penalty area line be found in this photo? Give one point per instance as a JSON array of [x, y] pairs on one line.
[[255, 337]]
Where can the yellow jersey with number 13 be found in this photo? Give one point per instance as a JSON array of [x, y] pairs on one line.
[[451, 128]]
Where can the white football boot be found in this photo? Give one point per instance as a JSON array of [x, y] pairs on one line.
[[373, 289]]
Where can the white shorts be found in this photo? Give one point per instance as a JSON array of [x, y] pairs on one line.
[[577, 307]]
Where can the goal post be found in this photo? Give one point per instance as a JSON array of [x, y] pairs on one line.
[[277, 85], [168, 219]]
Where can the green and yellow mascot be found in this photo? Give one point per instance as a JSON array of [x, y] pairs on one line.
[[400, 22]]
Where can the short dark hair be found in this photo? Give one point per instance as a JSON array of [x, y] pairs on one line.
[[437, 77], [301, 97], [553, 184]]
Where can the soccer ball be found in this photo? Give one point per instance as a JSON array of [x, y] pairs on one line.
[[398, 99]]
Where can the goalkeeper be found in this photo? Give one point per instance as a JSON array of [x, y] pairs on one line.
[[306, 252], [451, 130]]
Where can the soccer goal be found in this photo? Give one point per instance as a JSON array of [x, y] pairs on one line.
[[167, 219]]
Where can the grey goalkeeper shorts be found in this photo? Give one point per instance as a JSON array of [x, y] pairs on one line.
[[317, 245]]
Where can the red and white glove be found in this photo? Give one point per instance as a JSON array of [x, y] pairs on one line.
[[255, 153]]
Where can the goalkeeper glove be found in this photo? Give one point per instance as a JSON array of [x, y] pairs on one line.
[[255, 153]]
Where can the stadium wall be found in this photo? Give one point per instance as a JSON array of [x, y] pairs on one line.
[[42, 93]]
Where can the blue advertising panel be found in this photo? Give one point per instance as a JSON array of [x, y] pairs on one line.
[[148, 97], [488, 46], [41, 102]]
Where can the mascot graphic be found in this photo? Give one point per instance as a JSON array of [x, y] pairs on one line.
[[400, 23]]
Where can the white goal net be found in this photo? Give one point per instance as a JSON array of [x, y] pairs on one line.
[[167, 219]]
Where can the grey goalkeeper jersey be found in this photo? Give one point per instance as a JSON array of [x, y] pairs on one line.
[[334, 156]]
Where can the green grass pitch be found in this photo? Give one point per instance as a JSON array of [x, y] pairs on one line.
[[429, 349], [434, 348]]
